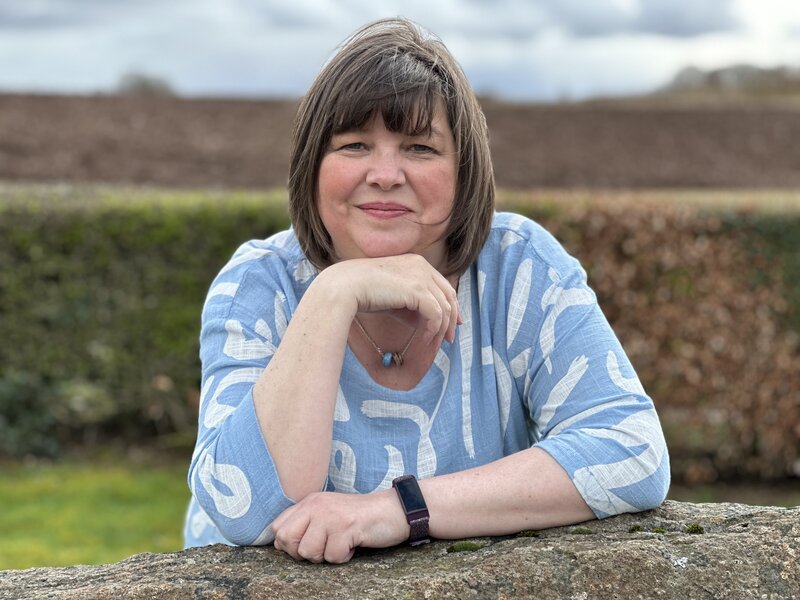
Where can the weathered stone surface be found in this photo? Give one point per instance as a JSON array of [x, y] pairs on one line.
[[743, 552]]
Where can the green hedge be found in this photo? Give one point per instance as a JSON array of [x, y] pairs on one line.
[[100, 297], [101, 291]]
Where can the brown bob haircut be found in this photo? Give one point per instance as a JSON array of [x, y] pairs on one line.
[[393, 68]]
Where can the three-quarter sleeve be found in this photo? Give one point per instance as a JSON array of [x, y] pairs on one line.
[[585, 404], [232, 475]]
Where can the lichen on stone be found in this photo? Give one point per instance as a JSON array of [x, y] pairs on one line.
[[528, 533], [464, 546], [695, 528], [582, 531]]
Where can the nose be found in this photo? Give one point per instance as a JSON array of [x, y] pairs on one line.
[[386, 170]]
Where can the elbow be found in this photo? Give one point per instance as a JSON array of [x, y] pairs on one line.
[[624, 487], [652, 491], [240, 536], [253, 528], [241, 513]]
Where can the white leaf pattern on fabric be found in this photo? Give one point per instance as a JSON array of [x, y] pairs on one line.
[[515, 221], [626, 402], [519, 364], [396, 467], [481, 286], [343, 477], [235, 504], [341, 412], [560, 393], [509, 238], [426, 456], [427, 463], [504, 385], [560, 299], [247, 256], [631, 385], [281, 321], [223, 289], [487, 357], [203, 396], [265, 537], [465, 345], [304, 271], [238, 347], [597, 495], [595, 481], [216, 413], [519, 300]]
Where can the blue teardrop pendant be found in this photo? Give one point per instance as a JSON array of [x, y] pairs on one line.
[[387, 359]]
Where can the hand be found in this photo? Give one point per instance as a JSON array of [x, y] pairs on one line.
[[408, 286], [329, 526]]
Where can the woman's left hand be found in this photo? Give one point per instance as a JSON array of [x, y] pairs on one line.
[[329, 526]]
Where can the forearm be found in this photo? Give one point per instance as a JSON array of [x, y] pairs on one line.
[[526, 490], [295, 396]]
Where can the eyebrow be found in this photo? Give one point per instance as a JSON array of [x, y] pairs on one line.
[[434, 132]]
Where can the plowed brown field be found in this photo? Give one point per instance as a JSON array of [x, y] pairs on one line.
[[179, 142]]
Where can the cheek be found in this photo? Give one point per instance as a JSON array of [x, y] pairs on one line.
[[442, 185]]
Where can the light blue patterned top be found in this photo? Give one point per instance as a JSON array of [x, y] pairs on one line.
[[534, 363]]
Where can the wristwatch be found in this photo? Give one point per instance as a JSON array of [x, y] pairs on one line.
[[415, 508]]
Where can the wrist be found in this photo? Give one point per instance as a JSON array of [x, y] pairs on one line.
[[333, 293], [414, 507], [385, 522]]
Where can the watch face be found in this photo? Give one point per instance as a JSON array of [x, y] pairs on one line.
[[411, 495]]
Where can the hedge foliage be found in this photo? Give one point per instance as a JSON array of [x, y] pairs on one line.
[[101, 291], [100, 295]]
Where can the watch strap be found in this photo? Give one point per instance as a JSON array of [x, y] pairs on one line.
[[414, 507], [419, 531]]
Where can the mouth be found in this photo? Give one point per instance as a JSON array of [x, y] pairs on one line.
[[384, 210]]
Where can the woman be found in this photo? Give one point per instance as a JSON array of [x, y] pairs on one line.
[[404, 336]]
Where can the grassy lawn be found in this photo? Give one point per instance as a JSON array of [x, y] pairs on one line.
[[89, 513], [82, 512]]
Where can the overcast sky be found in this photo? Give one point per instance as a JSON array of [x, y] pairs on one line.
[[514, 49]]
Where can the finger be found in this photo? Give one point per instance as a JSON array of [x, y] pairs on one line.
[[432, 311], [452, 312], [289, 535], [455, 312], [455, 317], [312, 546], [339, 549]]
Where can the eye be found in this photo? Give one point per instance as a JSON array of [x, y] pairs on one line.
[[421, 149], [352, 146]]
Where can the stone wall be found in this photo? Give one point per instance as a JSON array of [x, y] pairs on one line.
[[680, 551]]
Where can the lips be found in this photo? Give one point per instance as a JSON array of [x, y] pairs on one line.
[[384, 210]]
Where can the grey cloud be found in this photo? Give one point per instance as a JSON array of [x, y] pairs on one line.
[[662, 17], [43, 15], [686, 19], [286, 15], [20, 16], [580, 18]]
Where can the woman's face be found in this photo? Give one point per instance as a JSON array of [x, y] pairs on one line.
[[381, 193]]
